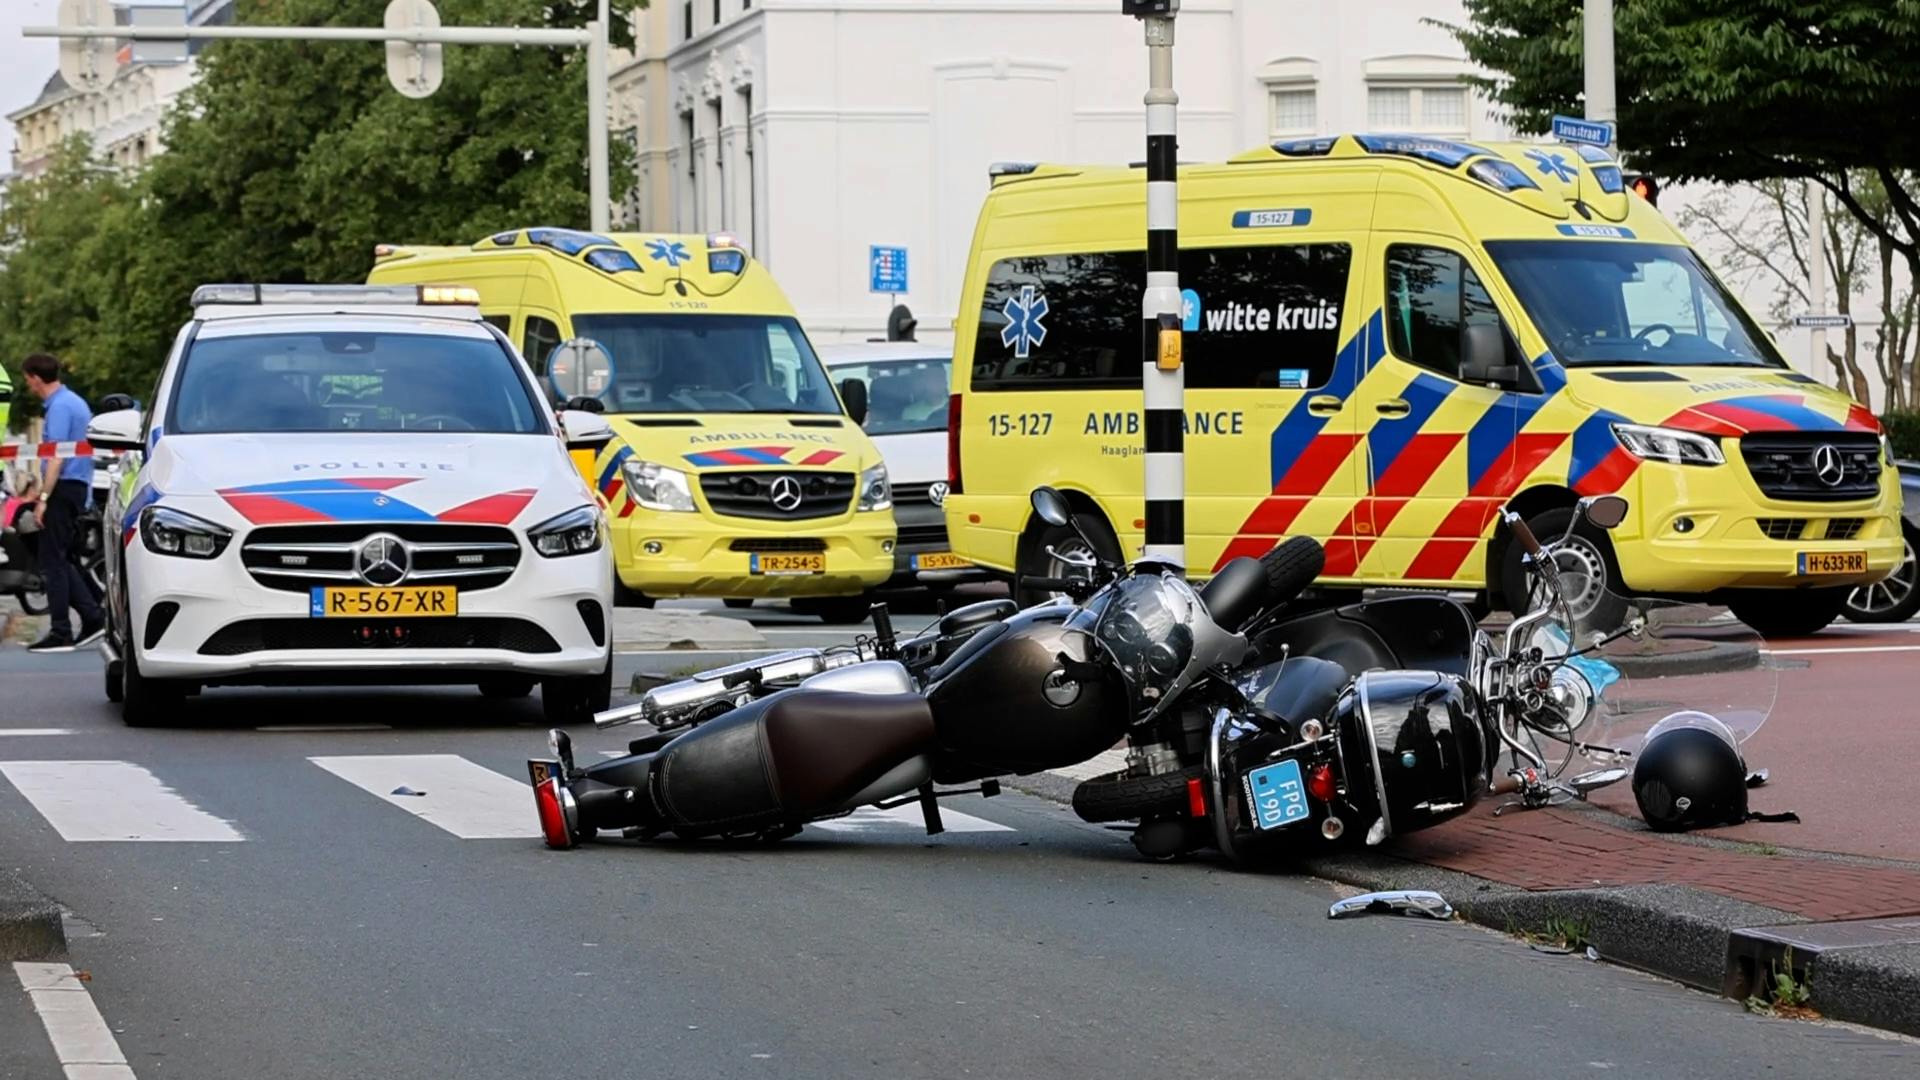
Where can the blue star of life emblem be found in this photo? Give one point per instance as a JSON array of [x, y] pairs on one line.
[[673, 253], [1553, 165], [1024, 331]]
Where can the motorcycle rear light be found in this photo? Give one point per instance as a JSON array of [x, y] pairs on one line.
[[553, 816], [1320, 783], [1196, 798]]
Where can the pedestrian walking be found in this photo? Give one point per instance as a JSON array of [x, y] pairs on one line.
[[66, 487]]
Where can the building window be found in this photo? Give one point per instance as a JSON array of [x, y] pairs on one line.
[[716, 12], [751, 212], [692, 221], [686, 19], [1293, 111], [723, 218], [1440, 110]]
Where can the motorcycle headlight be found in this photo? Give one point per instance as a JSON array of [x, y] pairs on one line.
[[575, 532], [170, 532], [657, 487], [1147, 629], [1670, 445], [876, 493]]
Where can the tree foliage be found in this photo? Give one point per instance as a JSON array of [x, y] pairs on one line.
[[288, 162], [1732, 90]]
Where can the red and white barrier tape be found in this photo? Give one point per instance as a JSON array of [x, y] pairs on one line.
[[47, 451]]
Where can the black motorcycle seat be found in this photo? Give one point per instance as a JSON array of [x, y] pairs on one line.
[[787, 757], [1305, 689]]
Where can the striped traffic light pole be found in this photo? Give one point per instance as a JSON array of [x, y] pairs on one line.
[[1163, 383]]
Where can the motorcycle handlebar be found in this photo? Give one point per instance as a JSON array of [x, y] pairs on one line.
[[1070, 586], [1528, 542], [1505, 785]]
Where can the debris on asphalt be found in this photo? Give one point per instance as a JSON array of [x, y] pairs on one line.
[[1593, 953], [405, 790], [1396, 902]]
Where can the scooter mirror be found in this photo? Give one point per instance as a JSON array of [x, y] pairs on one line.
[[1594, 781], [1604, 511], [1052, 507]]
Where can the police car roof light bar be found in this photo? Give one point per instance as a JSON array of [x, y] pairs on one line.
[[242, 293]]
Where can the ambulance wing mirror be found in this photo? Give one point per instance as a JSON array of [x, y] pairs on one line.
[[1483, 356], [854, 393], [116, 430]]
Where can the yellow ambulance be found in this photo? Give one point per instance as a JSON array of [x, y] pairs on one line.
[[1386, 339], [736, 470]]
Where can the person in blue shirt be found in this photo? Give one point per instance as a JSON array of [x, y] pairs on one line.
[[66, 486]]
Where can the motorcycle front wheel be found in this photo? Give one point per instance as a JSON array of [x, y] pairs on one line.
[[1118, 797]]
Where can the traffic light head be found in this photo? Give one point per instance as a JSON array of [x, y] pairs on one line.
[[1644, 186]]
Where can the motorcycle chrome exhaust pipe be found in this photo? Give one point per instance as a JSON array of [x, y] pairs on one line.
[[708, 687]]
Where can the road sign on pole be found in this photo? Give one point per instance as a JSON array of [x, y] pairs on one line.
[[158, 13], [887, 268], [414, 69], [86, 63], [1823, 322], [1572, 129]]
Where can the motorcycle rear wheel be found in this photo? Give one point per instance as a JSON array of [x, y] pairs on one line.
[[1118, 797]]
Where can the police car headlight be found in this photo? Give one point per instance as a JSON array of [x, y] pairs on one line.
[[1670, 445], [575, 532], [657, 487], [170, 532], [876, 492]]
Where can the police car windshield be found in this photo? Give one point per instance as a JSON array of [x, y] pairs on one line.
[[350, 381], [709, 364], [903, 396], [1604, 302]]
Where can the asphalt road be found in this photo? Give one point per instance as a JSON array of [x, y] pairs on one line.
[[245, 911]]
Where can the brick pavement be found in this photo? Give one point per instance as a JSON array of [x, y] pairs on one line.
[[1579, 849]]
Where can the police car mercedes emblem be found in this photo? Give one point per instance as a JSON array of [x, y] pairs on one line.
[[1828, 466], [383, 560], [937, 493], [784, 493]]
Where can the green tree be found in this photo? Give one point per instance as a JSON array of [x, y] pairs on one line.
[[1735, 91]]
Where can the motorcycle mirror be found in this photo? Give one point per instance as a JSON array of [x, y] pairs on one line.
[[1604, 511], [1594, 781], [1052, 507]]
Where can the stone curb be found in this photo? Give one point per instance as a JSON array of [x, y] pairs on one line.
[[30, 925]]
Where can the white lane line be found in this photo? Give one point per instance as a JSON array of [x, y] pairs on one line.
[[36, 731], [1845, 649], [113, 800], [869, 819], [465, 799], [1105, 761], [81, 1039]]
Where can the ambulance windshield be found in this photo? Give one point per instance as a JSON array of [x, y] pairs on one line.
[[709, 364], [1604, 302]]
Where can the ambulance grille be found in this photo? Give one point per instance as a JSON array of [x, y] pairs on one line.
[[296, 558], [1845, 528], [779, 545], [1840, 466], [752, 494], [1782, 528]]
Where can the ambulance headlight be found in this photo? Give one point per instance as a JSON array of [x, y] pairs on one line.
[[170, 532], [1670, 445], [876, 493], [575, 532], [657, 487]]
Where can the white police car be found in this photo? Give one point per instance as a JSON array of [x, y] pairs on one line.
[[352, 484]]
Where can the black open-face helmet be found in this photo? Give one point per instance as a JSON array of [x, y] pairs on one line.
[[1690, 774]]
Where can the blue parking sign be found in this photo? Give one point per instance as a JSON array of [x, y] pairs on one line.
[[888, 266]]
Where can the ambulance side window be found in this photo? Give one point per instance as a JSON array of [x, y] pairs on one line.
[[1262, 317], [502, 323], [541, 337], [1432, 297]]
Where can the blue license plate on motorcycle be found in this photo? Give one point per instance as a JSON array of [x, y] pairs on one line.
[[1278, 796]]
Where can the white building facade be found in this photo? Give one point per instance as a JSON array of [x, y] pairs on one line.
[[815, 128]]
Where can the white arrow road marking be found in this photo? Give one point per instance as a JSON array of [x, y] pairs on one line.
[[465, 799], [81, 1039], [113, 800]]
